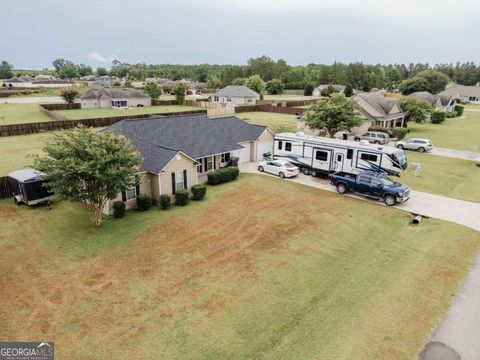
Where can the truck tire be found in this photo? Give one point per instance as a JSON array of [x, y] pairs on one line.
[[342, 188], [260, 168], [421, 149], [281, 174], [390, 200], [314, 174]]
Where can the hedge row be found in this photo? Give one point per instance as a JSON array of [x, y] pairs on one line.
[[223, 175], [438, 116]]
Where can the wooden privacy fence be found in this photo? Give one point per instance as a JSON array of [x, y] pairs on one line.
[[32, 128], [53, 107], [5, 191]]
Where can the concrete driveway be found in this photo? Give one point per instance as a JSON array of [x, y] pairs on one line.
[[458, 154], [458, 211]]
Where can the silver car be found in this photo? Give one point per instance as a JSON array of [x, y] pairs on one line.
[[421, 145], [374, 137]]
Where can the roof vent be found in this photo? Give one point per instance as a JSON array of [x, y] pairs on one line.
[[364, 142]]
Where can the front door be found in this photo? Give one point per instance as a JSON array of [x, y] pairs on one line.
[[339, 162]]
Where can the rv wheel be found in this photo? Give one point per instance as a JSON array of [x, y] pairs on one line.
[[260, 168], [305, 171], [390, 200], [314, 174]]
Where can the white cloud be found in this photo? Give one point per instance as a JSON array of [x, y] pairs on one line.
[[96, 56]]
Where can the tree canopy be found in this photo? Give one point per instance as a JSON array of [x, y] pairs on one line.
[[274, 86], [415, 110], [256, 83], [337, 114], [436, 81], [68, 95], [412, 85], [88, 167], [180, 90], [153, 90], [6, 70]]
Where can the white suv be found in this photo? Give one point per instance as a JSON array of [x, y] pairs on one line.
[[421, 145], [374, 137]]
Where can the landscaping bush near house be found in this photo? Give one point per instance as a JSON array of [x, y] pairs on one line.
[[118, 209], [399, 132], [144, 202], [438, 116], [381, 129], [165, 201], [199, 191], [181, 197], [459, 109], [451, 114], [225, 174]]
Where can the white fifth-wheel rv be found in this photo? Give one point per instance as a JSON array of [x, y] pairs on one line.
[[317, 155]]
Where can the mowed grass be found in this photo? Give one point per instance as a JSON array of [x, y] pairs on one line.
[[96, 113], [20, 114], [272, 120], [460, 134], [261, 269], [450, 177]]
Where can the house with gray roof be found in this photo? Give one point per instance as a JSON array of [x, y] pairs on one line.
[[437, 102], [112, 98], [468, 94], [378, 110], [236, 95], [337, 88], [18, 82], [179, 151]]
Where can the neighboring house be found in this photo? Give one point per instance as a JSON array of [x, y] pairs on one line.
[[55, 83], [336, 88], [378, 110], [465, 93], [17, 82], [179, 151], [44, 77], [438, 102], [236, 94], [112, 98]]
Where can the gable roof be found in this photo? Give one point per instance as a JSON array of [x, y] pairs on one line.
[[462, 90], [445, 99], [112, 93], [237, 91], [160, 139], [15, 80], [336, 87], [426, 96], [380, 103]]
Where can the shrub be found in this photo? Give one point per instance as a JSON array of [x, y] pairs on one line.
[[459, 109], [165, 201], [399, 132], [199, 191], [438, 116], [118, 209], [223, 175], [451, 114], [214, 177], [144, 202], [181, 197], [308, 90]]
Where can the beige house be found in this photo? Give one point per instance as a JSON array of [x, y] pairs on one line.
[[236, 95], [112, 98], [468, 94], [377, 110], [179, 151], [438, 102]]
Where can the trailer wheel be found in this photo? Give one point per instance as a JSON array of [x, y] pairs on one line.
[[342, 188], [390, 200], [260, 168], [306, 171], [281, 174], [314, 174]]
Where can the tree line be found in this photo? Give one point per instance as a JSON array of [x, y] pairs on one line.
[[361, 76]]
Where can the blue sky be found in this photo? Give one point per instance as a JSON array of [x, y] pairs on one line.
[[94, 32]]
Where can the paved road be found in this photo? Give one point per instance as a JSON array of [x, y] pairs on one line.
[[436, 206], [32, 100], [458, 154]]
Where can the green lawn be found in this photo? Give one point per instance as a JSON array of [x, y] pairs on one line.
[[93, 113], [273, 120], [286, 272], [283, 97], [458, 134], [21, 113], [444, 176]]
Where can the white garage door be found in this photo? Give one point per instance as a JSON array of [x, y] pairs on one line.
[[264, 147], [244, 154]]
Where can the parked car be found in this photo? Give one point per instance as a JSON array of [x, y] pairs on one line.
[[281, 168], [421, 145], [373, 185], [374, 137]]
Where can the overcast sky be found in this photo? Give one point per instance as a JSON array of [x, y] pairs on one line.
[[94, 32]]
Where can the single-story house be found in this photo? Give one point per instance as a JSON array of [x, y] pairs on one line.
[[17, 82], [378, 110], [465, 93], [179, 151], [336, 88], [112, 98], [237, 95], [438, 102]]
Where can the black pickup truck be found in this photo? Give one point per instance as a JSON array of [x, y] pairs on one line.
[[371, 184]]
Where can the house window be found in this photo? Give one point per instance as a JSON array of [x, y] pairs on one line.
[[209, 163], [119, 103], [200, 165], [280, 143], [249, 100], [369, 157], [229, 99], [288, 146], [349, 153], [215, 98], [225, 157], [131, 193], [179, 181], [321, 155]]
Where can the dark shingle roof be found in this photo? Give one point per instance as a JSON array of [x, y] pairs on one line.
[[426, 96], [462, 90], [237, 91], [379, 102], [159, 139], [445, 99], [112, 93]]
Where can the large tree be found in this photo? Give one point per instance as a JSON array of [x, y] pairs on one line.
[[68, 95], [65, 69], [88, 167], [256, 83], [180, 90], [415, 110], [6, 70], [153, 90], [337, 114], [436, 81], [412, 85], [274, 86]]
